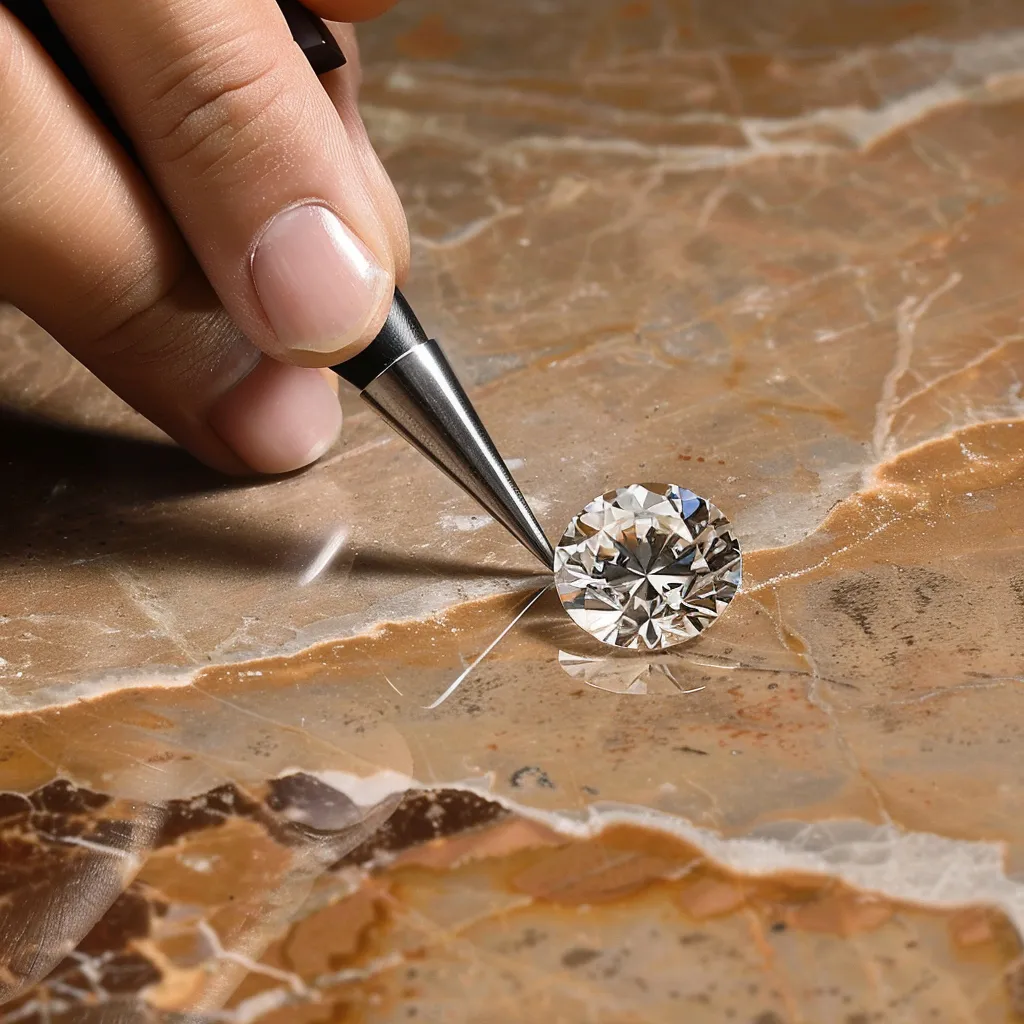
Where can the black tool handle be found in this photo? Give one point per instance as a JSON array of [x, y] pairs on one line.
[[312, 36]]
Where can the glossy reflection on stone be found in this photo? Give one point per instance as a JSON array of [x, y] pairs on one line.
[[647, 566], [624, 674]]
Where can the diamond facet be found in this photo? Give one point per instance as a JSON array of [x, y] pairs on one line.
[[647, 566]]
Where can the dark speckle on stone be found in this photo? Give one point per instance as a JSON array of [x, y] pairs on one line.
[[538, 775], [857, 598], [579, 956]]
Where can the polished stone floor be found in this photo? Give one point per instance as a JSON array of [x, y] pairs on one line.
[[770, 252]]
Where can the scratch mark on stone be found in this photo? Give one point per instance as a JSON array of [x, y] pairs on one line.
[[462, 676], [392, 685], [127, 856], [361, 449], [325, 556]]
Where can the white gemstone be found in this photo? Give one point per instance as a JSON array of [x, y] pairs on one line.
[[647, 566]]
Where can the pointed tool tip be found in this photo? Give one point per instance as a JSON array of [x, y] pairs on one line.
[[420, 396], [520, 520], [541, 547]]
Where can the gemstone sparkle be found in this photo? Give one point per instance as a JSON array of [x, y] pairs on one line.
[[647, 566]]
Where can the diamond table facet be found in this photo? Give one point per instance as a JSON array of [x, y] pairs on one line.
[[647, 566]]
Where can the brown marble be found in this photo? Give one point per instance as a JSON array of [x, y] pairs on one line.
[[768, 251]]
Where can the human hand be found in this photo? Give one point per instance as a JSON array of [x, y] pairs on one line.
[[266, 241]]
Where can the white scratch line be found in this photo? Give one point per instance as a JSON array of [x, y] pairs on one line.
[[351, 453], [325, 556], [487, 650], [88, 844]]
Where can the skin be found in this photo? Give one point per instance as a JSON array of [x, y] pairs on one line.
[[146, 279]]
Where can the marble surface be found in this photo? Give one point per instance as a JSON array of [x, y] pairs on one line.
[[770, 252]]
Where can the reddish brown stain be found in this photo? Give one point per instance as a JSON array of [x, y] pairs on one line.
[[736, 370], [750, 66], [635, 9], [431, 39], [974, 926], [829, 412], [913, 12]]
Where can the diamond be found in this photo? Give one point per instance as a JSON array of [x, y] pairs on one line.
[[647, 566]]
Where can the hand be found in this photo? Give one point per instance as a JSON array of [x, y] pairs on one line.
[[267, 243]]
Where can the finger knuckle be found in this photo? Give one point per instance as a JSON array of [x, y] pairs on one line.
[[117, 296], [175, 337], [217, 108]]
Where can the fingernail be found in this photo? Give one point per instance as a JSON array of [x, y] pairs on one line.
[[279, 417], [320, 287]]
